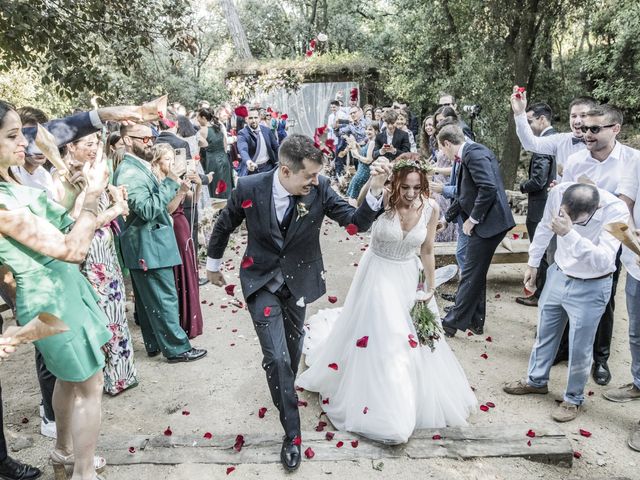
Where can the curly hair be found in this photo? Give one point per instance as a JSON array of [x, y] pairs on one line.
[[399, 176]]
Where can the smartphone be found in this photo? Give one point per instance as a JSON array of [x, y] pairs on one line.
[[191, 166], [386, 145], [180, 161]]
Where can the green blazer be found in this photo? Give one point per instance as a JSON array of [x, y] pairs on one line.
[[147, 240]]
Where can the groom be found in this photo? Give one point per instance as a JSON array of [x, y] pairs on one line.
[[282, 268]]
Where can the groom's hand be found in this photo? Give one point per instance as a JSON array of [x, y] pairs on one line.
[[216, 278], [380, 171]]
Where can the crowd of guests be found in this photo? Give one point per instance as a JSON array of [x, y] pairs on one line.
[[128, 201]]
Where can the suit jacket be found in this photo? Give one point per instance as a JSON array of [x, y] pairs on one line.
[[247, 143], [297, 256], [481, 193], [64, 130], [400, 141], [542, 171], [147, 240], [175, 142]]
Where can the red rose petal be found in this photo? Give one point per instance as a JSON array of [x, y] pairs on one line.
[[585, 433], [490, 404], [308, 53], [246, 262], [516, 236], [247, 204], [577, 455], [24, 420], [527, 292], [230, 469], [528, 443], [489, 339], [302, 403], [223, 306], [329, 435], [325, 401], [352, 229], [261, 412], [365, 410], [239, 443], [309, 453], [236, 164], [531, 433], [229, 289], [186, 413], [333, 366], [437, 437], [267, 311], [521, 89], [469, 333], [132, 449], [485, 356], [339, 444], [332, 299], [207, 436], [412, 342], [320, 426], [484, 408], [168, 432], [297, 441], [362, 342], [143, 264], [354, 443], [590, 393], [221, 187], [299, 389]]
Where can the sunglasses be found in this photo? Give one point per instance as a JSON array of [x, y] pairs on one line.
[[595, 128], [145, 140], [446, 104]]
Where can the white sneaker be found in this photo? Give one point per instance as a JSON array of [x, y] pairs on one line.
[[48, 428]]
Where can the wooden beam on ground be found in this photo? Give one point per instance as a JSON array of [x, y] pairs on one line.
[[445, 253], [550, 445]]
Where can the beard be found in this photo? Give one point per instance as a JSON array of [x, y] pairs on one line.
[[144, 153]]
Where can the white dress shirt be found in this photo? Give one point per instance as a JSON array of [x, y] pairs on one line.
[[40, 179], [261, 148], [561, 144], [281, 202], [586, 251], [606, 174], [630, 187]]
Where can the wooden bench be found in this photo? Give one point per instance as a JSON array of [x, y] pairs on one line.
[[445, 253]]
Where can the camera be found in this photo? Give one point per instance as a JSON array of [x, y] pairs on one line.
[[473, 110]]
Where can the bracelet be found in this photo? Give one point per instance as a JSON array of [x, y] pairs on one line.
[[90, 210]]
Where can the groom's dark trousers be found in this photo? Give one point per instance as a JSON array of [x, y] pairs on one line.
[[285, 271]]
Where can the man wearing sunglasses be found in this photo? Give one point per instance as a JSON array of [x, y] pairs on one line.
[[605, 162], [578, 286], [149, 248]]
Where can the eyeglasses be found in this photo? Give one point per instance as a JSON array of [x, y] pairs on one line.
[[446, 104], [582, 223], [145, 139], [595, 128]]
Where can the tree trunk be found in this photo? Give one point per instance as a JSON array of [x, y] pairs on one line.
[[236, 30]]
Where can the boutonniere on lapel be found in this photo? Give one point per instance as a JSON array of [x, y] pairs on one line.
[[302, 210]]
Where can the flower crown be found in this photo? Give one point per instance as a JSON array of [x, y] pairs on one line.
[[425, 168]]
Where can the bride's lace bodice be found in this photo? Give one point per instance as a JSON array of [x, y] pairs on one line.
[[389, 241]]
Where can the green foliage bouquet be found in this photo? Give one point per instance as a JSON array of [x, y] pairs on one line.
[[424, 320]]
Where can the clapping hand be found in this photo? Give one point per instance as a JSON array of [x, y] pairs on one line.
[[119, 198], [96, 175], [518, 101]]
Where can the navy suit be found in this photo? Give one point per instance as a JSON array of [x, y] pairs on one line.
[[64, 130], [247, 143]]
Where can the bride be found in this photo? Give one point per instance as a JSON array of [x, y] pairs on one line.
[[372, 378]]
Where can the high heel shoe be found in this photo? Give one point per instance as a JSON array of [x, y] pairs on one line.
[[59, 462]]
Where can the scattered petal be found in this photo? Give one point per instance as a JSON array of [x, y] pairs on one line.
[[590, 393], [309, 453], [484, 408], [531, 434], [528, 443], [262, 411], [484, 355], [132, 450], [239, 443], [329, 435], [332, 299], [339, 444], [299, 389], [365, 410], [320, 426], [229, 289], [24, 420], [267, 311], [207, 436], [490, 404], [354, 443], [221, 187], [497, 295], [333, 366], [352, 229], [412, 341], [585, 433], [489, 339], [246, 262], [186, 413], [362, 342], [577, 454], [168, 432], [247, 204], [302, 403], [516, 236], [325, 401], [230, 469], [469, 333], [143, 264], [436, 437], [297, 441]]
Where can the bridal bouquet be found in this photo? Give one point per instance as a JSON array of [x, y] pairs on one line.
[[424, 320]]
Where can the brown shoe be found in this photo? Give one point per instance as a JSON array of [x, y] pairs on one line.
[[531, 301], [625, 393], [521, 387], [565, 412], [634, 439]]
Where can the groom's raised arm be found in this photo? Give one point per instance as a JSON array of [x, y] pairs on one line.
[[229, 219]]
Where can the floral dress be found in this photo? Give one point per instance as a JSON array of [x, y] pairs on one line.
[[102, 269]]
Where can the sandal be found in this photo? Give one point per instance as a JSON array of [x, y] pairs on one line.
[[59, 461]]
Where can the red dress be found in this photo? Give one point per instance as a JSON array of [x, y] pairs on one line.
[[186, 276]]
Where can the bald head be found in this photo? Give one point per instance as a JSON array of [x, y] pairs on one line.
[[580, 200]]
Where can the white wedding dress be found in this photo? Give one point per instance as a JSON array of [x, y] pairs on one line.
[[388, 389]]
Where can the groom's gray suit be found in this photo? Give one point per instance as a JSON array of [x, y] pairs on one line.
[[286, 268]]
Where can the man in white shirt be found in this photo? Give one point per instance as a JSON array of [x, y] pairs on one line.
[[605, 162], [578, 286], [629, 191]]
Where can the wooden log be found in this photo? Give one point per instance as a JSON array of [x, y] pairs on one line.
[[445, 253], [550, 445]]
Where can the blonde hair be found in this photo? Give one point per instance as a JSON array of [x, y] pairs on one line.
[[160, 150]]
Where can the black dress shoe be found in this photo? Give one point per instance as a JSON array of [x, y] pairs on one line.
[[11, 469], [290, 455], [189, 356], [449, 331], [531, 301], [155, 353], [203, 281], [601, 373], [476, 330], [448, 308], [449, 297]]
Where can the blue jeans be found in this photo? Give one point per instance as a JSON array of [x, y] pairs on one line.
[[632, 290], [584, 302], [461, 248]]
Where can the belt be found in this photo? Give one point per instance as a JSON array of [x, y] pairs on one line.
[[586, 279]]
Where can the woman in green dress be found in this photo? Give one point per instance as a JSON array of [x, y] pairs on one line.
[[44, 262], [215, 158]]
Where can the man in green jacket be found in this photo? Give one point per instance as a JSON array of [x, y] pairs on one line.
[[149, 248]]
